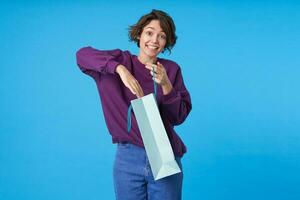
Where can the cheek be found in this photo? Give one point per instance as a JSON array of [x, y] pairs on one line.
[[163, 44], [143, 40]]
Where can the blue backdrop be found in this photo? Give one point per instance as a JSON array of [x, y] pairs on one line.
[[240, 64]]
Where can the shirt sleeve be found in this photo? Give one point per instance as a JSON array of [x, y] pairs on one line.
[[177, 104], [91, 61]]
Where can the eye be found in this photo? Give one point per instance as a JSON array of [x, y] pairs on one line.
[[149, 33], [163, 37]]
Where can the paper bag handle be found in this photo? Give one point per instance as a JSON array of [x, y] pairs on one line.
[[130, 107]]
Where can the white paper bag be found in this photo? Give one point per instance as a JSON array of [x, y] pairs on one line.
[[156, 141]]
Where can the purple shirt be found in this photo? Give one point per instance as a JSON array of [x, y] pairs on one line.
[[115, 96]]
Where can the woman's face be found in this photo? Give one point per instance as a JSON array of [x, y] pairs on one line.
[[152, 39]]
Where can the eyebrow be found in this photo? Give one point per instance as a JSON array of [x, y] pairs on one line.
[[154, 29]]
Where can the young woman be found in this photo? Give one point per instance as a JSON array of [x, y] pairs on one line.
[[121, 77]]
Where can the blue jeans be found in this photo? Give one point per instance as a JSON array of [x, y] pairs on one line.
[[133, 179]]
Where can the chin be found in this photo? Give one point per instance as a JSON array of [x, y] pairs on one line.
[[152, 54]]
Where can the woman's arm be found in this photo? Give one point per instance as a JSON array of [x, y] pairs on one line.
[[129, 81], [176, 105], [176, 102], [92, 60]]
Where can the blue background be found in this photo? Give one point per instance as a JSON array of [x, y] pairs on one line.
[[240, 62]]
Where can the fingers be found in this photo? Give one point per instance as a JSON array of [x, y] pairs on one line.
[[139, 90], [154, 67], [159, 74], [160, 65], [131, 83], [156, 75], [136, 89], [157, 78]]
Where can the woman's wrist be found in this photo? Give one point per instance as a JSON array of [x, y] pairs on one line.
[[120, 69], [167, 88]]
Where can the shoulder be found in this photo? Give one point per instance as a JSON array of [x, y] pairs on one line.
[[119, 51], [112, 52]]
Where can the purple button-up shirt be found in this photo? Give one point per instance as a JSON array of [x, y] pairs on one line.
[[115, 96]]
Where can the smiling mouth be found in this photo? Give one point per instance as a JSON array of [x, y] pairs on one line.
[[152, 47]]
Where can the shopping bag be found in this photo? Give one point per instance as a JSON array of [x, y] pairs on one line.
[[155, 139]]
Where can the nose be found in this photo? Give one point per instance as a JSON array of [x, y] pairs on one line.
[[154, 38]]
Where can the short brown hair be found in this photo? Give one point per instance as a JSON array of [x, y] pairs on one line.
[[166, 23]]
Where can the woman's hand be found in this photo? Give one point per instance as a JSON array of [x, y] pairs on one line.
[[129, 81], [161, 76]]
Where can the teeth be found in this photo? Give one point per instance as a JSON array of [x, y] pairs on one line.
[[152, 47]]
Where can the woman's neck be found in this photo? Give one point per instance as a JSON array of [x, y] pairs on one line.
[[144, 59]]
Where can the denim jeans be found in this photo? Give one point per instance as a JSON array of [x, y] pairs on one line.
[[133, 179]]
